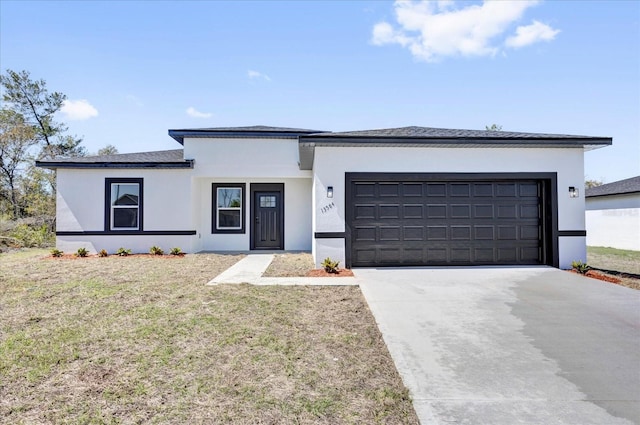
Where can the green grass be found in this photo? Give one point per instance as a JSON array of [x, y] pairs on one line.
[[143, 340]]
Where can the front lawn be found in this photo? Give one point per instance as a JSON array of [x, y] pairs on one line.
[[142, 340]]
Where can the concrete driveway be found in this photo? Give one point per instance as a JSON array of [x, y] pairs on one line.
[[510, 345]]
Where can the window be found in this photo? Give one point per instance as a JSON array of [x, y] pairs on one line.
[[123, 204], [267, 201], [228, 208]]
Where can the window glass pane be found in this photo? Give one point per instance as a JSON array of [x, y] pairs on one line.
[[125, 217], [267, 201], [228, 218], [229, 197], [124, 194]]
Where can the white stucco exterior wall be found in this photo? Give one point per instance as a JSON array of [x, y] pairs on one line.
[[331, 164], [80, 207], [614, 221]]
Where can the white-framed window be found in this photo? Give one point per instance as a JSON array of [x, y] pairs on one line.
[[124, 204], [228, 211]]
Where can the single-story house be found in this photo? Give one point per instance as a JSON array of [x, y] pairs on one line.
[[613, 214], [392, 197]]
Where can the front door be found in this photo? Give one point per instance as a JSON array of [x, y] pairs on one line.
[[267, 213]]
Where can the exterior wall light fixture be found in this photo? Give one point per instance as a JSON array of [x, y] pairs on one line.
[[573, 192], [330, 192]]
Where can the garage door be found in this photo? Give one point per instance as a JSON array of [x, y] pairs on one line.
[[407, 221]]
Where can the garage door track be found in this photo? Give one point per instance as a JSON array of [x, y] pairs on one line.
[[502, 345]]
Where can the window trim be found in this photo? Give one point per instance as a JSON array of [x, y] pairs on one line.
[[108, 207], [215, 209]]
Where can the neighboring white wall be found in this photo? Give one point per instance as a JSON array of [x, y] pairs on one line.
[[330, 165], [297, 215], [614, 221], [80, 206]]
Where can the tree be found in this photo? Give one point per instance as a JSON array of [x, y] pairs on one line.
[[108, 150], [32, 100], [589, 183], [16, 140], [493, 127]]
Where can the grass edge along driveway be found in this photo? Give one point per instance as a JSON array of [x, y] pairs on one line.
[[141, 340]]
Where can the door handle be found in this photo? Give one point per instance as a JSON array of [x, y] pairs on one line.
[[257, 219]]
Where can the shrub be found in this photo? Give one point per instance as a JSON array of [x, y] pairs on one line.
[[123, 252], [32, 236], [55, 252], [176, 251], [330, 266], [156, 250], [82, 252], [580, 267], [103, 253]]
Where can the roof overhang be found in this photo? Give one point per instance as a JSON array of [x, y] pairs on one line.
[[84, 165], [180, 135], [307, 144]]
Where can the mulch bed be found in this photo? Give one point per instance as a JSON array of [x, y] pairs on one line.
[[323, 273], [595, 275], [77, 257]]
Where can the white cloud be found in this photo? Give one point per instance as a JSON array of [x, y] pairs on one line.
[[134, 100], [433, 30], [253, 75], [193, 112], [78, 110], [530, 34]]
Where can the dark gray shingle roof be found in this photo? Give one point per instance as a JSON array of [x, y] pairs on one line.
[[445, 133], [157, 159], [620, 187], [258, 131]]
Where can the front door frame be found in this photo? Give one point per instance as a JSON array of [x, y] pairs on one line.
[[265, 187]]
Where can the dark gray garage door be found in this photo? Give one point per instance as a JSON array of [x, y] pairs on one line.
[[397, 221]]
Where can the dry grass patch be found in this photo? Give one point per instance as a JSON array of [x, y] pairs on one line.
[[142, 340], [290, 265]]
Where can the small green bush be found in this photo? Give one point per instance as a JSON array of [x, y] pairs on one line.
[[123, 252], [176, 251], [82, 252], [103, 253], [156, 250], [55, 252], [580, 267], [330, 266], [32, 237]]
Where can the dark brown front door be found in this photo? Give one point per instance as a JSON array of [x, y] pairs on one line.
[[268, 216]]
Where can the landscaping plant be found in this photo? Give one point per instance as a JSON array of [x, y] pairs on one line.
[[55, 252], [580, 267], [123, 252], [82, 252], [330, 266], [103, 253], [176, 251], [156, 250]]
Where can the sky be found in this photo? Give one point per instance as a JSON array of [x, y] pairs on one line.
[[132, 70]]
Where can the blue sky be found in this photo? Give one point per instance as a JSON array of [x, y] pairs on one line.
[[132, 70]]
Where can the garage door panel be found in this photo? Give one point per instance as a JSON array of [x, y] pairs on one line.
[[389, 189], [439, 223], [364, 211], [390, 233], [412, 189], [413, 211], [413, 233], [436, 189], [436, 211], [461, 211], [389, 211], [461, 233], [364, 190]]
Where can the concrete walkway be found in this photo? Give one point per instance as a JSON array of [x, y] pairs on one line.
[[510, 345], [250, 270]]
